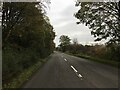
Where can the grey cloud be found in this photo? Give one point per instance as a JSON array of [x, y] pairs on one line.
[[64, 23]]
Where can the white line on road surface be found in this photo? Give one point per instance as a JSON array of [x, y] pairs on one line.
[[78, 74], [65, 59], [74, 69]]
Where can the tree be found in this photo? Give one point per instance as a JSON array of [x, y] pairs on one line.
[[27, 36], [102, 17], [64, 42], [11, 16], [23, 21], [75, 41], [75, 45]]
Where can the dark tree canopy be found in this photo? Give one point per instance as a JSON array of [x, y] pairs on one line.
[[26, 25], [64, 40], [27, 36], [102, 17], [75, 41]]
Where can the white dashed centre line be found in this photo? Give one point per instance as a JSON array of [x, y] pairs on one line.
[[65, 59], [74, 69], [78, 74]]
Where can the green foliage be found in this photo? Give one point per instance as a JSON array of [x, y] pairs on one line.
[[97, 59], [27, 36], [108, 54], [102, 17], [21, 78], [15, 61], [64, 42]]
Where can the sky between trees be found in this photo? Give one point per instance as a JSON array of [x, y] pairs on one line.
[[61, 14]]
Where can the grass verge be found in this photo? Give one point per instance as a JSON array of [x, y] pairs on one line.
[[21, 78], [96, 59]]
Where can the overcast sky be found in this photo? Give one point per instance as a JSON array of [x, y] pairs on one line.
[[61, 17]]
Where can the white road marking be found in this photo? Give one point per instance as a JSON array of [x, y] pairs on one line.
[[65, 59], [74, 69], [79, 75]]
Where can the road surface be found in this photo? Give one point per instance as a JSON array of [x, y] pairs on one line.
[[66, 71]]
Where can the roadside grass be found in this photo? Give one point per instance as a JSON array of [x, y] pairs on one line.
[[24, 76], [96, 59]]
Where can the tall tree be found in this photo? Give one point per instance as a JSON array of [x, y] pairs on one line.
[[64, 42], [102, 17], [11, 16], [27, 36], [75, 41]]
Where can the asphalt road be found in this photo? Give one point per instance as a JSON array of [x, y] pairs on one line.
[[65, 71]]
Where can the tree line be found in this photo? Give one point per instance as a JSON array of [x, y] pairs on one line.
[[102, 51], [27, 36], [103, 19]]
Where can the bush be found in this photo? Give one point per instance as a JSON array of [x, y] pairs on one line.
[[14, 61]]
